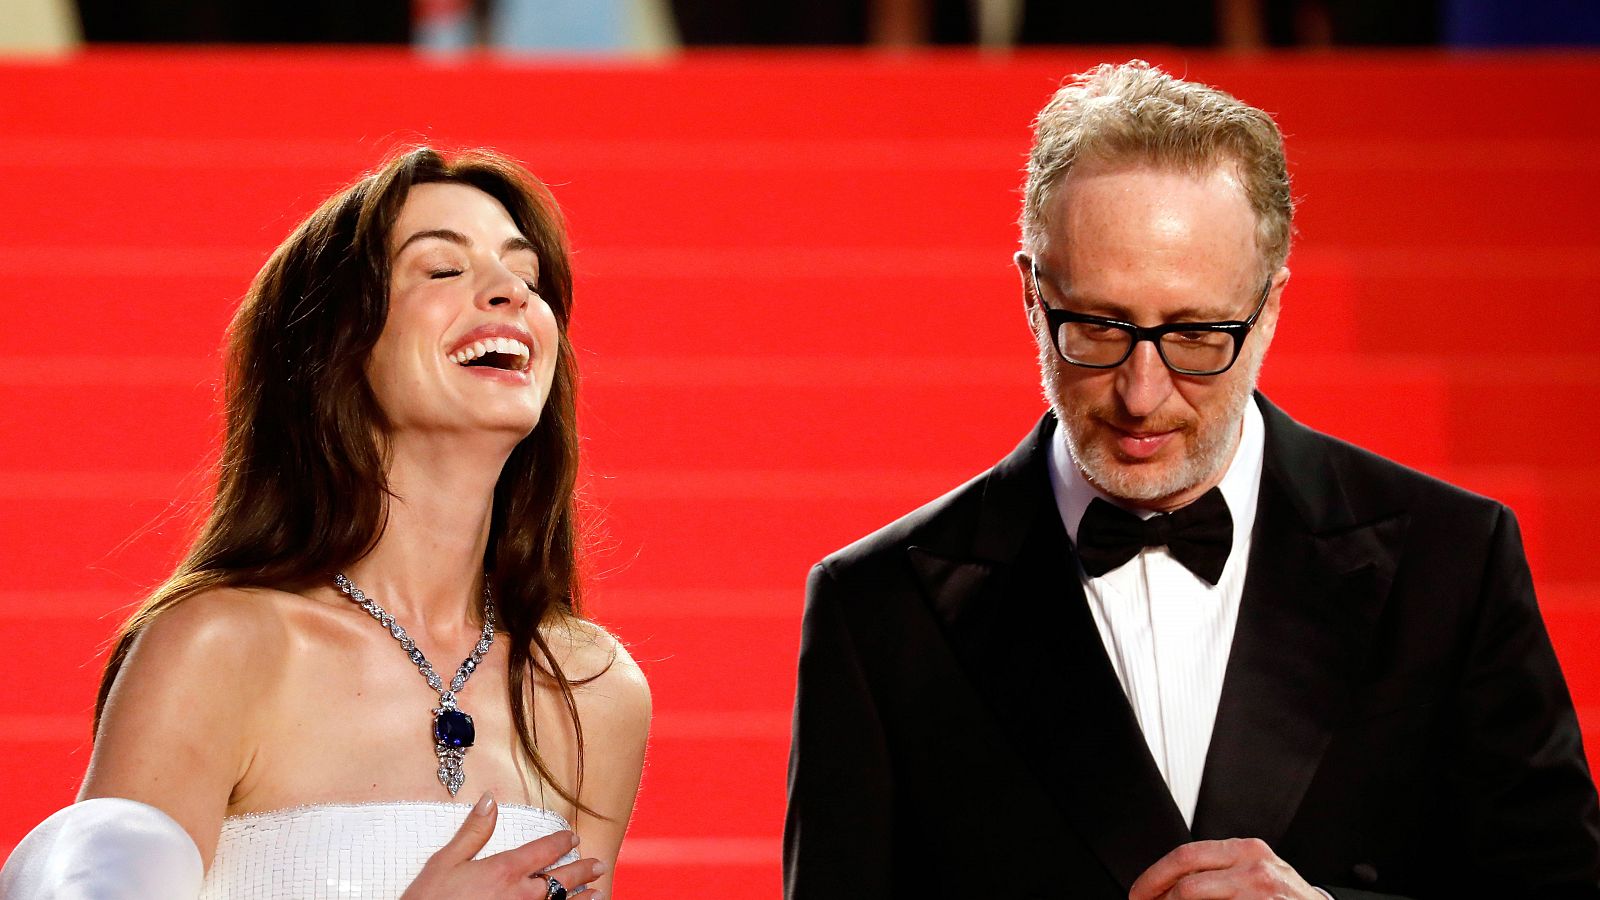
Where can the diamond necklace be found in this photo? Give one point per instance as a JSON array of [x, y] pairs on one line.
[[452, 729]]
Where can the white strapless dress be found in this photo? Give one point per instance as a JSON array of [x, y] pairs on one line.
[[366, 850]]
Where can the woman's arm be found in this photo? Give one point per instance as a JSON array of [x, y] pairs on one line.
[[615, 710], [176, 728]]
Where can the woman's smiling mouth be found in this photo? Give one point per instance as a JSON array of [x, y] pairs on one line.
[[500, 351], [496, 353]]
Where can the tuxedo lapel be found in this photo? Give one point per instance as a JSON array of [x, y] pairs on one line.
[[1320, 568], [1013, 610]]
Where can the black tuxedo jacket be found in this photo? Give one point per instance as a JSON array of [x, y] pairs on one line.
[[1393, 720]]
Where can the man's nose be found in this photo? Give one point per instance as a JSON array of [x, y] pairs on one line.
[[1143, 380]]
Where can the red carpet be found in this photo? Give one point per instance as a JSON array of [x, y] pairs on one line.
[[797, 320]]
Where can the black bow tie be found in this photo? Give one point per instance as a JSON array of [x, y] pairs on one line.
[[1198, 535]]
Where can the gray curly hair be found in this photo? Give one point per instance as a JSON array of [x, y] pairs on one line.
[[1134, 112]]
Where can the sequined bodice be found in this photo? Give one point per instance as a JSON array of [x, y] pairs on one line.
[[366, 850]]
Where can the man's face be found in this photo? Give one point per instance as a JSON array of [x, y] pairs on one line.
[[1150, 246]]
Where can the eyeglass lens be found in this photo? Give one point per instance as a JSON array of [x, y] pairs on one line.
[[1101, 345]]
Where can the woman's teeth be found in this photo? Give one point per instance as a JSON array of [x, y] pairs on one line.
[[504, 346]]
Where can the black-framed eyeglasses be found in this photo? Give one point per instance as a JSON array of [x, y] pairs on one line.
[[1188, 348]]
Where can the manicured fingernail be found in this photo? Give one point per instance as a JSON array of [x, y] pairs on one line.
[[574, 838], [485, 804], [598, 896], [599, 868]]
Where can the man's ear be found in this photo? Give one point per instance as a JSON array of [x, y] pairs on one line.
[[1024, 264], [1280, 278], [1269, 327]]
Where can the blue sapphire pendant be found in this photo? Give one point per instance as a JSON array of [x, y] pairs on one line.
[[452, 735], [453, 728]]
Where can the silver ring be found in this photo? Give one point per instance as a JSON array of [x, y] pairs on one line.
[[554, 889]]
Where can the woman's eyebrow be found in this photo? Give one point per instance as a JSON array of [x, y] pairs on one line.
[[512, 244], [443, 234]]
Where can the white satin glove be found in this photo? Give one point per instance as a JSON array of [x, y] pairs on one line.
[[104, 849]]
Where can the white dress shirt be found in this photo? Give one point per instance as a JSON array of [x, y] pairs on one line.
[[1167, 632]]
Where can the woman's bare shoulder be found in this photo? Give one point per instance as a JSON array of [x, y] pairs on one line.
[[214, 653], [606, 679], [187, 699], [229, 610], [219, 630], [613, 702]]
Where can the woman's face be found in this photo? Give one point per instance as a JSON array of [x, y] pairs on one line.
[[468, 345]]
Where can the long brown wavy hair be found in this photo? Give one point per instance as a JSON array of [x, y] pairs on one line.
[[302, 490]]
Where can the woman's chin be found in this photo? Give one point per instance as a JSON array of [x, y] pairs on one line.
[[488, 427]]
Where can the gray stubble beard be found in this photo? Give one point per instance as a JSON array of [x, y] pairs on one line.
[[1209, 453]]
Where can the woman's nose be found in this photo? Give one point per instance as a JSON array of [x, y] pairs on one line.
[[505, 288]]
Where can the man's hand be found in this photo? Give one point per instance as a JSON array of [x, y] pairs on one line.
[[1245, 869]]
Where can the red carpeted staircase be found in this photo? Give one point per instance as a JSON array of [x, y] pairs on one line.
[[797, 319]]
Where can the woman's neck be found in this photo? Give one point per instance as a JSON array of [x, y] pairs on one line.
[[427, 566]]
